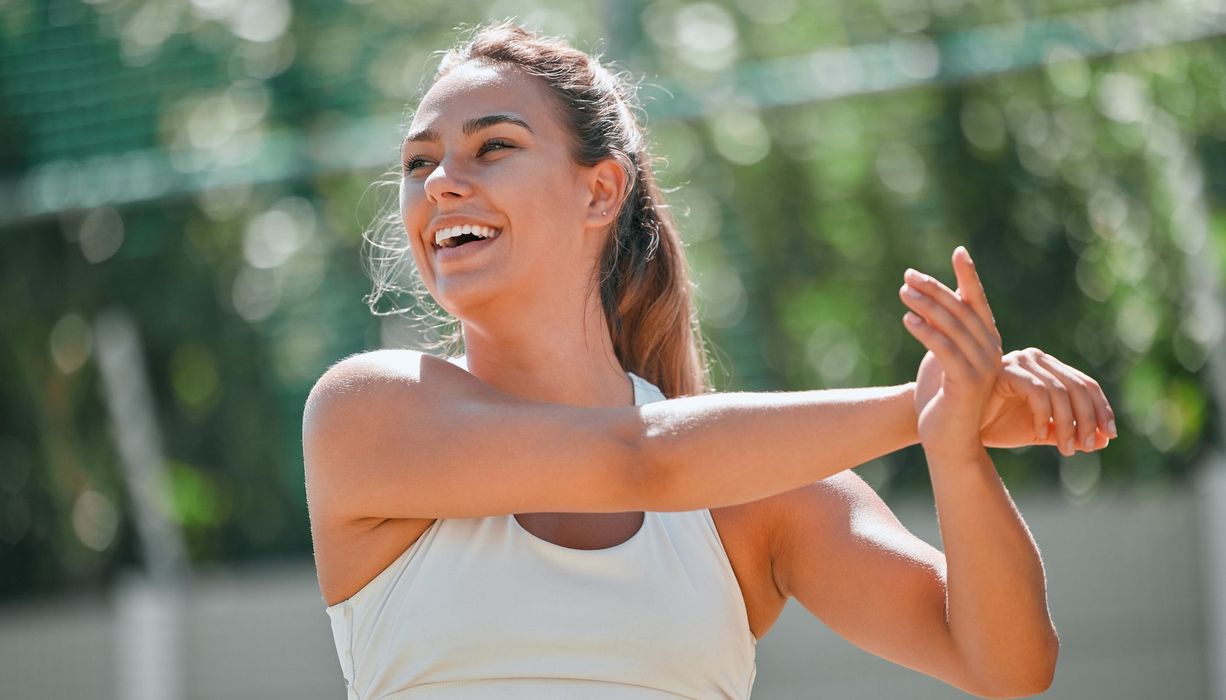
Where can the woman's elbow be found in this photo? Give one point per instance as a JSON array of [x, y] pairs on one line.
[[1036, 679]]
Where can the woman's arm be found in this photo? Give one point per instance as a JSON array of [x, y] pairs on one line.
[[997, 596], [997, 591], [723, 449], [398, 434]]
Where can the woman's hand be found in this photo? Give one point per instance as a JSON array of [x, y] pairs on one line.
[[1036, 399], [959, 331], [1039, 400]]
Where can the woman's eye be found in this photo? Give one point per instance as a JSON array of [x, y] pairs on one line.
[[414, 163], [493, 142]]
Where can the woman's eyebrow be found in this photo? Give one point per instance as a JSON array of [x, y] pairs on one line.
[[470, 127]]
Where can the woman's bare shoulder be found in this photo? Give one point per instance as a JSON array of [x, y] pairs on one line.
[[361, 369], [362, 386], [378, 362]]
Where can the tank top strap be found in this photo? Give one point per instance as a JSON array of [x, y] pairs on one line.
[[644, 391]]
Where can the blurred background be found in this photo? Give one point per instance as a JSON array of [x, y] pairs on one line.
[[184, 187]]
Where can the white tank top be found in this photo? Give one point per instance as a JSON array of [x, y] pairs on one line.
[[482, 608]]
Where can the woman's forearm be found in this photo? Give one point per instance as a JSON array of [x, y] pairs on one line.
[[728, 448], [997, 593]]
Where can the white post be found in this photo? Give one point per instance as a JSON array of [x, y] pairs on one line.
[[150, 607], [149, 636]]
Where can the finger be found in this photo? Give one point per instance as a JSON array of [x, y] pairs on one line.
[[1061, 407], [970, 289], [949, 300], [1035, 391], [1106, 414], [1079, 395], [1084, 414], [947, 353], [977, 348]]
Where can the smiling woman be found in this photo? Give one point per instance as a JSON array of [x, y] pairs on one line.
[[530, 127], [567, 510]]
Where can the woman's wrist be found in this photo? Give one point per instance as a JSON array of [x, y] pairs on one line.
[[970, 454]]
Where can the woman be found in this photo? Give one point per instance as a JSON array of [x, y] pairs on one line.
[[536, 519]]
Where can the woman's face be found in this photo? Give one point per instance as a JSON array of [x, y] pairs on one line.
[[510, 171]]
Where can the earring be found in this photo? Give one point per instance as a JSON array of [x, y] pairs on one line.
[[604, 213]]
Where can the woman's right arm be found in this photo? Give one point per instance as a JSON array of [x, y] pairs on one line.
[[401, 434]]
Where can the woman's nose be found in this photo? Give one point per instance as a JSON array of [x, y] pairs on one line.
[[446, 181]]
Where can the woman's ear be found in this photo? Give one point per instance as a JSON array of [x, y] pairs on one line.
[[606, 184]]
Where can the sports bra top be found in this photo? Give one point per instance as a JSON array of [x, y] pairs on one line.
[[481, 608]]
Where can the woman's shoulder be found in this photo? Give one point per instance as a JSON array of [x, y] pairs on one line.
[[368, 373], [383, 363], [380, 360]]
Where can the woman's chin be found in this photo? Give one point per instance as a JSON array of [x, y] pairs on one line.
[[464, 298]]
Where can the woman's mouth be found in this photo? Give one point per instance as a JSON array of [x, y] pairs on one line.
[[463, 246]]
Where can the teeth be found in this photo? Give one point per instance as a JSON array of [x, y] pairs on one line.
[[451, 232]]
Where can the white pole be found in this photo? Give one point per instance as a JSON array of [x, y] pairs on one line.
[[149, 636], [149, 607]]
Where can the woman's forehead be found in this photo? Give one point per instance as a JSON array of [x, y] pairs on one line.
[[473, 89]]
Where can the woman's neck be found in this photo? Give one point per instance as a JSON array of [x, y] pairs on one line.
[[577, 368]]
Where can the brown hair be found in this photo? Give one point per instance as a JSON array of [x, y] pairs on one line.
[[645, 288]]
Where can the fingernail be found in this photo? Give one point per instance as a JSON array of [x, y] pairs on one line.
[[1111, 427], [912, 293], [1089, 443], [1043, 434], [1069, 447]]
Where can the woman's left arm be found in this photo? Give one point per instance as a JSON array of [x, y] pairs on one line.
[[996, 588], [974, 616], [996, 601]]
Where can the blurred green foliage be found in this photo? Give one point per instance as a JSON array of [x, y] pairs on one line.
[[207, 165]]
